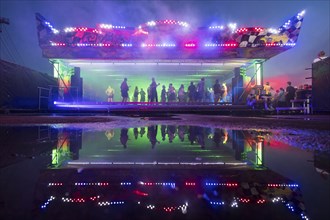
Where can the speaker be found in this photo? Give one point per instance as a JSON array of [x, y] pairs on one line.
[[320, 85], [76, 89], [238, 143], [237, 88], [75, 143], [54, 95]]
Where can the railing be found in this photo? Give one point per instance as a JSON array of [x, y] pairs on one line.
[[44, 94], [305, 106], [43, 133], [58, 94]]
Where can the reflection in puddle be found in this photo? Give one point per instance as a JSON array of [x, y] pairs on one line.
[[159, 145], [156, 171]]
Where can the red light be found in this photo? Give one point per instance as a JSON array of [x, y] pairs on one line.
[[190, 184], [244, 200], [147, 184], [270, 44], [242, 30], [261, 201], [139, 193], [190, 45], [258, 29]]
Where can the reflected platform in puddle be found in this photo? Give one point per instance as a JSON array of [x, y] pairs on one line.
[[158, 171], [159, 145]]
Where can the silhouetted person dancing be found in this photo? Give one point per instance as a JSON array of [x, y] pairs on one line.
[[153, 90], [163, 95], [124, 90], [136, 94], [201, 90], [124, 137], [142, 95], [192, 92], [217, 91]]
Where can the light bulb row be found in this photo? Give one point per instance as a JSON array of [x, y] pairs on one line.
[[107, 203], [47, 202]]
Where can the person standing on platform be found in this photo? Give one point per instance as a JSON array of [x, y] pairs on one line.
[[211, 95], [289, 93], [149, 94], [124, 90], [224, 92], [181, 93], [275, 98], [201, 90], [153, 90], [191, 92], [217, 91], [142, 95], [280, 100], [110, 93], [267, 96], [163, 95], [171, 93], [267, 89], [136, 94]]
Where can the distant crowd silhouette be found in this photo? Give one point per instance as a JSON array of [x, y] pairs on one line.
[[194, 93]]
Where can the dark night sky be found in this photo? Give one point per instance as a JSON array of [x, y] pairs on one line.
[[314, 36]]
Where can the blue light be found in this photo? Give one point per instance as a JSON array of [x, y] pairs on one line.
[[47, 202], [125, 183], [303, 216], [290, 207], [221, 184], [216, 27], [217, 203]]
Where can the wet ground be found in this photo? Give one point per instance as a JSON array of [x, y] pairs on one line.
[[173, 167]]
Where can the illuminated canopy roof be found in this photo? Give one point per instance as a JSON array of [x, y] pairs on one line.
[[166, 40]]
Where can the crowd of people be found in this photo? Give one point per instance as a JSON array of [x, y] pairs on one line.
[[268, 98], [260, 96], [195, 135], [194, 93]]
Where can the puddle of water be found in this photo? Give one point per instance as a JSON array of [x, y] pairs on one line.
[[160, 171]]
